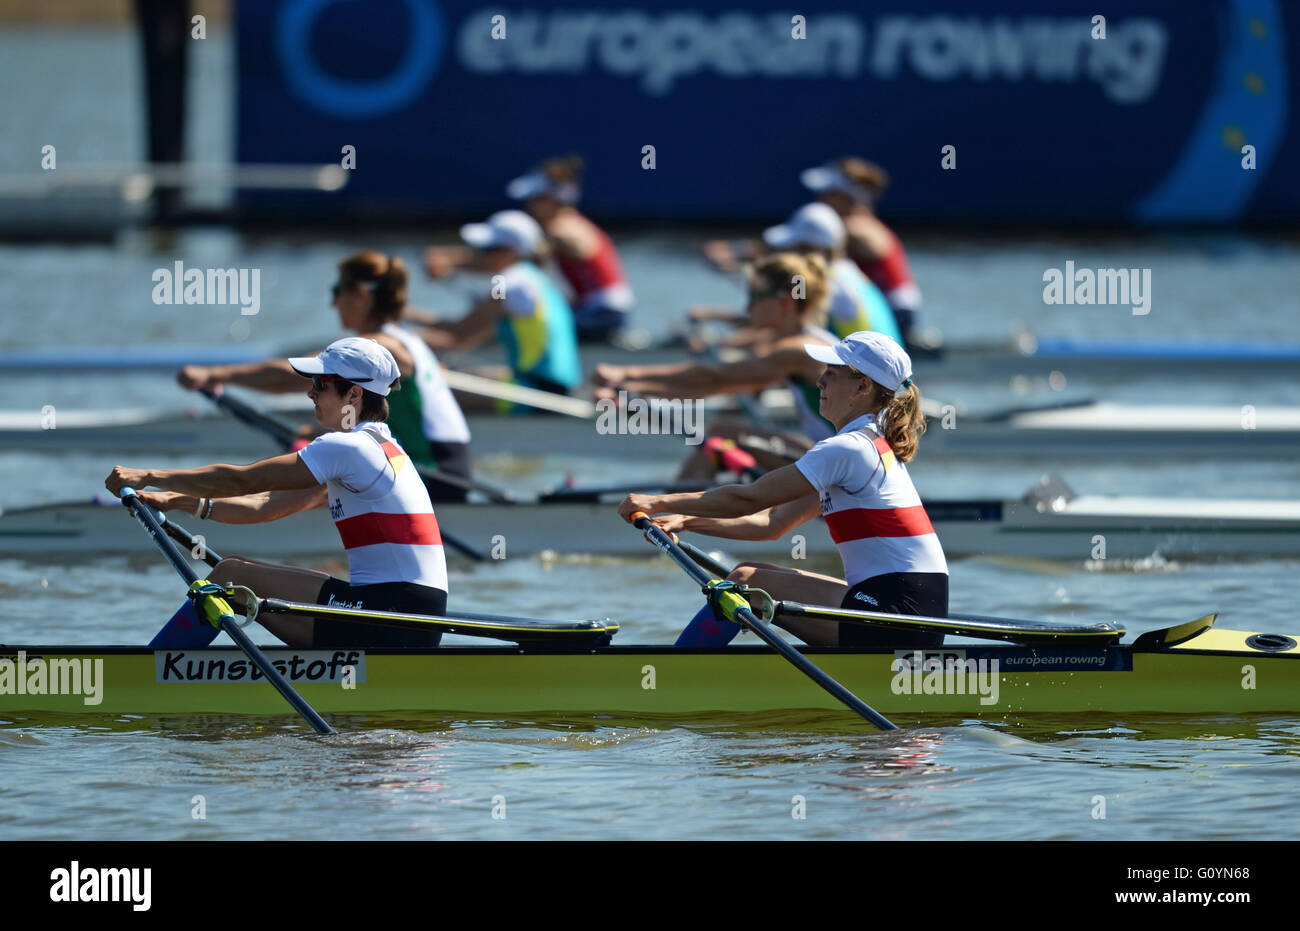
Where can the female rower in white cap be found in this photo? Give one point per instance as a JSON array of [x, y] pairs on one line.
[[856, 480], [583, 252], [380, 509], [370, 298], [527, 313], [856, 304], [788, 296], [851, 187]]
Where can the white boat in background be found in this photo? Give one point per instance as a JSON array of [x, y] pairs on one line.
[[1020, 354], [1085, 430], [1048, 523]]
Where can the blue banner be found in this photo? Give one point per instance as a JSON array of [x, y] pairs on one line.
[[1048, 121]]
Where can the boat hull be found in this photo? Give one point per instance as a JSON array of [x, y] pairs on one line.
[[1084, 528], [1216, 672]]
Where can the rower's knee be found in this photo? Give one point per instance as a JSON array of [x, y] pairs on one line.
[[744, 572], [230, 569]]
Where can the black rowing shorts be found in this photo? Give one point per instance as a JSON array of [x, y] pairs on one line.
[[924, 593], [404, 597]]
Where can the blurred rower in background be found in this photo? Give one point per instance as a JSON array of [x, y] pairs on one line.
[[856, 305], [370, 298], [583, 252], [788, 296], [851, 187], [523, 308]]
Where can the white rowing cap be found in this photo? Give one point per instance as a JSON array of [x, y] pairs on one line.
[[812, 224], [361, 361], [513, 229], [873, 354]]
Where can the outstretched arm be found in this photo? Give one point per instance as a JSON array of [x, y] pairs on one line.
[[245, 509], [474, 329], [280, 473], [769, 524], [726, 501], [702, 379], [274, 375]]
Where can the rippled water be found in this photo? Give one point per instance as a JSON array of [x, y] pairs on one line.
[[707, 777]]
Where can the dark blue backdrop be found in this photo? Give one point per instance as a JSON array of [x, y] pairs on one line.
[[1049, 124]]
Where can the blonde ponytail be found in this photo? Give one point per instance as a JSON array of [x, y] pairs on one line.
[[904, 423]]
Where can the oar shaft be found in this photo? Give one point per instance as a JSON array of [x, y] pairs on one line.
[[711, 565], [227, 623], [281, 432], [768, 636], [188, 540], [499, 495]]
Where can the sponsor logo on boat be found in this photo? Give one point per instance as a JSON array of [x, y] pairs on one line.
[[54, 676], [103, 884], [949, 672], [640, 416], [181, 285], [185, 666], [1101, 659], [1122, 286]]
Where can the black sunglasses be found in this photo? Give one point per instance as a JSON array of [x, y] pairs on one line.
[[340, 286], [320, 381]]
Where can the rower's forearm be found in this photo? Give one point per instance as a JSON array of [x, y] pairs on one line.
[[214, 481], [752, 527], [679, 381], [725, 501], [277, 377]]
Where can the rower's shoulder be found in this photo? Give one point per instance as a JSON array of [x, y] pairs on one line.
[[402, 355], [868, 234]]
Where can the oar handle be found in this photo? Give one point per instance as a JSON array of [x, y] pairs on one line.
[[745, 616]]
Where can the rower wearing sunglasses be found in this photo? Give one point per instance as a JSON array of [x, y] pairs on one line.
[[788, 299], [370, 298], [379, 504]]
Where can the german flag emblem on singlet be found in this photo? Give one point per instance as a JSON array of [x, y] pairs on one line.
[[886, 452], [397, 456]]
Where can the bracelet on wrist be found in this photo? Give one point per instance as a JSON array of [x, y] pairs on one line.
[[198, 507]]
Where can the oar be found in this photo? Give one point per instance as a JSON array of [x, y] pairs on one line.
[[287, 437], [596, 492], [212, 604], [736, 606], [518, 394], [707, 562], [190, 542]]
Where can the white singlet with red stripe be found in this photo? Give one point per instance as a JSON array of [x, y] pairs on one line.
[[380, 507], [871, 507]]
